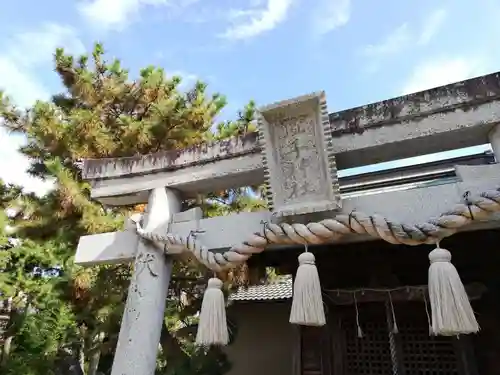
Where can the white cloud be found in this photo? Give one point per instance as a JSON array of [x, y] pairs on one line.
[[393, 43], [25, 90], [431, 26], [18, 84], [331, 14], [251, 22], [22, 53], [403, 37], [37, 47], [188, 79], [27, 50], [397, 40], [13, 169], [439, 72], [116, 14]]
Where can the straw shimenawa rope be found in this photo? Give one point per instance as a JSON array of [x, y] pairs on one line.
[[475, 208]]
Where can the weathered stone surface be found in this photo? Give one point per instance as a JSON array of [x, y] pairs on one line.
[[172, 160], [448, 117], [464, 94], [142, 320], [411, 207], [297, 155]]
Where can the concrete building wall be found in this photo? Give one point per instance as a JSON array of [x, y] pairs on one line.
[[266, 340]]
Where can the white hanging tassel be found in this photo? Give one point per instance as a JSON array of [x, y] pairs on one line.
[[212, 326], [450, 306], [307, 303]]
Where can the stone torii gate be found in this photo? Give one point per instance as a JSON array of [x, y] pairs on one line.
[[295, 155], [295, 136]]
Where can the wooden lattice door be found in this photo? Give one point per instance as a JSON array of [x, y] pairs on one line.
[[380, 352], [370, 354], [412, 351]]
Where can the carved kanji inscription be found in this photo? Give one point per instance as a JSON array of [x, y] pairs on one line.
[[300, 166]]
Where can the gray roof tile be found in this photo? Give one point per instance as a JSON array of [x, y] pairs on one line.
[[278, 289]]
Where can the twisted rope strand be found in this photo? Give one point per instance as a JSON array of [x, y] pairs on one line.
[[477, 208]]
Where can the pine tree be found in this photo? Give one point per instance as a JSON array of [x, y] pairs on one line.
[[40, 321], [102, 113]]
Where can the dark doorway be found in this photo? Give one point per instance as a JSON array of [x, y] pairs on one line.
[[337, 349]]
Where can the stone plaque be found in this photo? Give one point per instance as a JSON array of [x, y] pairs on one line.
[[299, 164]]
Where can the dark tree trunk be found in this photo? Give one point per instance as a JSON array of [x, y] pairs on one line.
[[67, 364], [171, 349]]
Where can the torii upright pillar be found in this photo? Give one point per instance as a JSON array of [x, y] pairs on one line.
[[144, 311]]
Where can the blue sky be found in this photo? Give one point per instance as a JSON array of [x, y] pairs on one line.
[[267, 50]]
